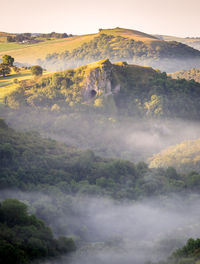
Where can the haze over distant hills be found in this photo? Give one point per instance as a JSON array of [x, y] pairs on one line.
[[190, 41]]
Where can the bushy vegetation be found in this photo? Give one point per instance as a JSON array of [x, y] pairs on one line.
[[24, 238], [193, 74], [188, 254], [143, 92], [184, 157]]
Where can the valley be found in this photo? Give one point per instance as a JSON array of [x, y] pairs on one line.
[[99, 148]]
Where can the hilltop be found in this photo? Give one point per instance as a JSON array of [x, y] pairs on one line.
[[116, 44]]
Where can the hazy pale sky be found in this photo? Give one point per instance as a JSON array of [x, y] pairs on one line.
[[170, 17]]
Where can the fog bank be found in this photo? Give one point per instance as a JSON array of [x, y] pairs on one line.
[[108, 231]]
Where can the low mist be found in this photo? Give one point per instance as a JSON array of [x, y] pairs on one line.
[[166, 64], [125, 138], [108, 231]]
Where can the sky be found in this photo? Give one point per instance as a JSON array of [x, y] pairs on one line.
[[167, 17]]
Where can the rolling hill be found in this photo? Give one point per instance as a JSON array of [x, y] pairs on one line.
[[116, 44], [30, 53]]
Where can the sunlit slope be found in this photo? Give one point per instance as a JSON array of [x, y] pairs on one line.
[[30, 53], [9, 83], [184, 157]]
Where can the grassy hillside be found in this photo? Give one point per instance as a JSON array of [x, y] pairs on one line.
[[29, 54], [127, 45], [193, 74], [118, 44], [184, 157]]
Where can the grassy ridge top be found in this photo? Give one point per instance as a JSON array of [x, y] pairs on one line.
[[129, 33]]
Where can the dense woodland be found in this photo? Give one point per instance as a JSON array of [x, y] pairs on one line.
[[32, 163], [24, 238]]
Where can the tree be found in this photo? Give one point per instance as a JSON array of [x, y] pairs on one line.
[[4, 69], [36, 70], [8, 60]]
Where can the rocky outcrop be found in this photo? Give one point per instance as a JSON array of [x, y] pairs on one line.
[[98, 81]]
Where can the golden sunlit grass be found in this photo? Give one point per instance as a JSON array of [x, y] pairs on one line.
[[7, 84], [129, 33], [30, 53]]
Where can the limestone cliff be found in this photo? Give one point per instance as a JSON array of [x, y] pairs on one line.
[[98, 80]]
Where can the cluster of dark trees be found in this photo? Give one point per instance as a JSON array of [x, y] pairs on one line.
[[56, 35], [25, 238], [7, 62], [20, 37]]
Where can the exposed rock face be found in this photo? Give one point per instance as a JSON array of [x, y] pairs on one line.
[[98, 81]]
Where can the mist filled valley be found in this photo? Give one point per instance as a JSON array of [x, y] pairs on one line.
[[99, 158]]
